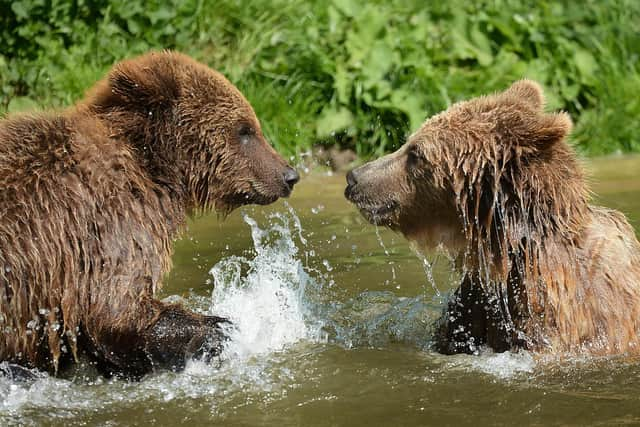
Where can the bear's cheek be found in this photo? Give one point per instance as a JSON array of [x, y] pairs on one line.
[[266, 183]]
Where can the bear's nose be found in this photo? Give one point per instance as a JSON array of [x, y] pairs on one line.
[[351, 178], [291, 177]]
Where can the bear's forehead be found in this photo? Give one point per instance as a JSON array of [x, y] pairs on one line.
[[215, 91], [480, 110]]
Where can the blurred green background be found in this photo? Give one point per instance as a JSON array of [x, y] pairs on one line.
[[359, 73]]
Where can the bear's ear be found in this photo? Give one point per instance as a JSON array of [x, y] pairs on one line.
[[528, 91], [546, 130], [143, 83]]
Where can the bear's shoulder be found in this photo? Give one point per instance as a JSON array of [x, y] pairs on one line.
[[45, 147]]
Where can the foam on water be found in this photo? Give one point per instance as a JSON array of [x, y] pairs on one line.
[[264, 296], [505, 365]]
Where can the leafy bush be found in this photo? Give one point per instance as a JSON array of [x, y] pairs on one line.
[[359, 73]]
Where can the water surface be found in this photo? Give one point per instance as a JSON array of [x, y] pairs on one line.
[[333, 322]]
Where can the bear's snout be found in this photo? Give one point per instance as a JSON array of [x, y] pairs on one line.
[[368, 182], [291, 178], [350, 190], [351, 183], [351, 178], [357, 185], [368, 188]]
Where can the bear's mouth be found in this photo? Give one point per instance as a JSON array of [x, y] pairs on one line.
[[256, 195], [236, 200], [261, 199], [380, 214], [376, 212]]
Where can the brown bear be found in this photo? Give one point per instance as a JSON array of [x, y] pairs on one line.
[[493, 181], [91, 199]]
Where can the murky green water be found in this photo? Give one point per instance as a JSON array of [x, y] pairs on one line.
[[333, 329]]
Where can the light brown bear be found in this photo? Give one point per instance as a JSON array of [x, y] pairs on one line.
[[91, 200], [494, 182]]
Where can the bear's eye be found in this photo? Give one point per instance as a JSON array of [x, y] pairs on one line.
[[414, 157], [245, 132]]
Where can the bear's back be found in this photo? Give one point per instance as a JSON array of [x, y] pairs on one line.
[[31, 145]]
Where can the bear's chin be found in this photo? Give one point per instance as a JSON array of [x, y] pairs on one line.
[[233, 201], [385, 215]]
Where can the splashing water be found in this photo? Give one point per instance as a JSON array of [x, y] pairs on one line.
[[384, 248], [296, 223], [428, 271], [376, 366], [265, 297], [267, 304], [505, 365]]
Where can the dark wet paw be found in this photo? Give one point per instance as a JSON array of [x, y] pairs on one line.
[[216, 336], [18, 373]]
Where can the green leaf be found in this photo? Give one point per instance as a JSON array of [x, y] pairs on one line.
[[411, 104], [162, 14], [383, 89], [22, 103], [370, 22], [473, 46], [481, 46], [586, 64], [335, 18], [378, 63], [332, 121], [20, 9], [342, 84], [133, 26], [508, 32], [348, 7], [362, 37], [570, 91], [538, 70]]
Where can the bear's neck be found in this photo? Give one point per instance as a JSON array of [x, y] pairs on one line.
[[153, 148], [521, 212]]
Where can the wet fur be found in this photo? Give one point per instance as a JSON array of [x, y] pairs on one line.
[[91, 200], [495, 182]]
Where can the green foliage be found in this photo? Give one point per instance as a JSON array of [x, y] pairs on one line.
[[359, 73]]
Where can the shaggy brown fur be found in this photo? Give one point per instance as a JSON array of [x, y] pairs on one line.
[[91, 199], [493, 181]]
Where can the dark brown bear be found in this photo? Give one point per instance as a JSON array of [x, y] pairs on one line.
[[92, 198], [493, 181]]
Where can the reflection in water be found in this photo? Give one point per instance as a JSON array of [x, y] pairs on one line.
[[331, 328]]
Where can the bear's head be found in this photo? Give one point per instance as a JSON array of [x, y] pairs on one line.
[[192, 130], [485, 175]]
